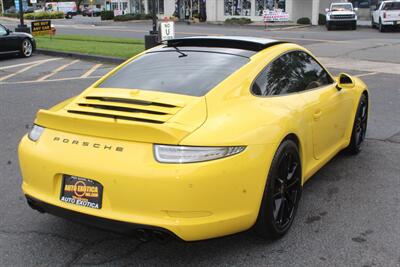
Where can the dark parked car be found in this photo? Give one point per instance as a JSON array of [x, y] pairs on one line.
[[16, 42], [11, 10], [95, 12]]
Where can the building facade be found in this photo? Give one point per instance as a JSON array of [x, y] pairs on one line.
[[220, 10]]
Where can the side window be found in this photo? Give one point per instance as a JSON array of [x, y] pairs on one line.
[[2, 31], [290, 73]]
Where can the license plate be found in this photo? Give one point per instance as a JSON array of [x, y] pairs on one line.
[[81, 191]]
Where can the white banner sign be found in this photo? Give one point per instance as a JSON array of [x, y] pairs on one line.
[[275, 15], [117, 12], [167, 30]]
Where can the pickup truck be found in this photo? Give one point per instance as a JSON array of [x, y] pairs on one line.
[[341, 14], [386, 14]]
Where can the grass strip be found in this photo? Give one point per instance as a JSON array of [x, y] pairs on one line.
[[92, 45]]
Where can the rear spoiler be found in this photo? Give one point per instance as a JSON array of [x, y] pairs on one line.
[[244, 43]]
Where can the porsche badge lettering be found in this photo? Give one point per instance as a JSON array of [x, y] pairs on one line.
[[88, 144]]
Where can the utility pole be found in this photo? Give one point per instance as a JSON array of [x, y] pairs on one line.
[[2, 6], [22, 27], [151, 40]]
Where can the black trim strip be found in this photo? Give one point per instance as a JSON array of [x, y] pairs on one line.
[[114, 116], [98, 222], [130, 101], [123, 109]]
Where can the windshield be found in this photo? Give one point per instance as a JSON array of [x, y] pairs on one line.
[[176, 71], [342, 7], [391, 6]]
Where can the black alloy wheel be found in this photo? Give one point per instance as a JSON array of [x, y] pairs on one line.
[[282, 193], [360, 126]]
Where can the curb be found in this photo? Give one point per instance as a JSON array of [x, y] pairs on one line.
[[14, 19], [104, 59]]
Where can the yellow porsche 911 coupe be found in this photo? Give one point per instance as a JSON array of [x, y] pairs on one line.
[[199, 137]]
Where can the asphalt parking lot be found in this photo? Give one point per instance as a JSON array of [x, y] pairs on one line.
[[349, 214]]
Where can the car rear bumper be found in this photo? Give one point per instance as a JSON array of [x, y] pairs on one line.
[[391, 22], [98, 222], [193, 201]]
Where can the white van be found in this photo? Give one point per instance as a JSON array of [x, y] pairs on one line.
[[69, 8]]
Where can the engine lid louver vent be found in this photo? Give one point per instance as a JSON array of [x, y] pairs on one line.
[[125, 109]]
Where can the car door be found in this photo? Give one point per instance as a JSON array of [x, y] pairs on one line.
[[4, 46], [8, 41], [375, 13], [327, 108]]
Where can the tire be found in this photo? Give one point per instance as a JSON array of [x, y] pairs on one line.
[[359, 126], [274, 220], [26, 48], [373, 25], [354, 26], [328, 26], [381, 26]]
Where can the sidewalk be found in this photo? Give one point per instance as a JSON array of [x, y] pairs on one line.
[[364, 23]]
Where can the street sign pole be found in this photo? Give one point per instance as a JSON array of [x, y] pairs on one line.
[[22, 27], [151, 40], [154, 18]]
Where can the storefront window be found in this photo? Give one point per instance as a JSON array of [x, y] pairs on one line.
[[362, 3], [137, 6], [186, 9], [124, 6], [268, 4], [114, 6], [237, 7], [159, 6]]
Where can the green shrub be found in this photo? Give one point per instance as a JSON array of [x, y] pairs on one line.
[[304, 21], [45, 15], [11, 15], [107, 15], [321, 19], [240, 21], [137, 16]]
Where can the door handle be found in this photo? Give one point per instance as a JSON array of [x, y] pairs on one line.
[[317, 114]]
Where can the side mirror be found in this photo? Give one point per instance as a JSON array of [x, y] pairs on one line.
[[326, 10], [8, 31], [356, 9], [345, 81]]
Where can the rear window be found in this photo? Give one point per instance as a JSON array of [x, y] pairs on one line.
[[391, 6], [185, 72]]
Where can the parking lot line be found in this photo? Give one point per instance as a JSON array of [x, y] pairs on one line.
[[91, 70], [367, 74], [21, 71], [57, 70], [53, 80], [28, 63]]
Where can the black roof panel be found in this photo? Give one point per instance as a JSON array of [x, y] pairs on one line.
[[239, 42]]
